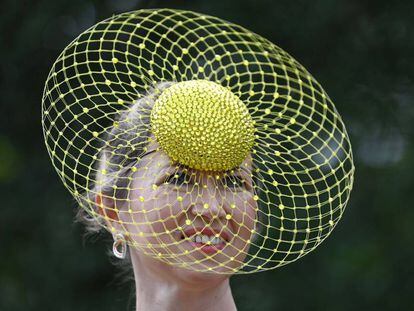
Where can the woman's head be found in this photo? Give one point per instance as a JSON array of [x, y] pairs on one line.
[[277, 113], [196, 219]]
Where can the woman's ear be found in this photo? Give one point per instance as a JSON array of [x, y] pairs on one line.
[[107, 208]]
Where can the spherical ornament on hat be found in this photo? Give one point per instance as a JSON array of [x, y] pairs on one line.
[[203, 125]]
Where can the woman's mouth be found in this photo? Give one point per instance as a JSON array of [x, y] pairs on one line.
[[206, 239]]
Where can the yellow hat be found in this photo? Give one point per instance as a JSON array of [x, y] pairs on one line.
[[205, 145]]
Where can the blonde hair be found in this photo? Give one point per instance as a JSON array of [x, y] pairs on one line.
[[119, 154]]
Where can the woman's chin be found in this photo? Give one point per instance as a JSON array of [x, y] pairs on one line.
[[200, 260], [223, 258], [198, 277]]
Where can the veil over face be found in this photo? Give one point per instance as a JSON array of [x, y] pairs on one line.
[[212, 148], [197, 219]]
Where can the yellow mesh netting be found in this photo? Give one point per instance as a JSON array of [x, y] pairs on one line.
[[204, 144]]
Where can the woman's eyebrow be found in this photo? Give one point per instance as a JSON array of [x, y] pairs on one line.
[[246, 174], [243, 169], [148, 152], [165, 171]]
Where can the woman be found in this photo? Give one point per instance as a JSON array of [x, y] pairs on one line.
[[182, 222], [243, 139]]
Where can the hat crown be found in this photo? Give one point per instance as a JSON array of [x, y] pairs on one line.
[[203, 125]]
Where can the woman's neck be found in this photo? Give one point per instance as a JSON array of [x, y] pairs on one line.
[[162, 287]]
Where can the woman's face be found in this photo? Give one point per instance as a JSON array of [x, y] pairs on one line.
[[199, 220]]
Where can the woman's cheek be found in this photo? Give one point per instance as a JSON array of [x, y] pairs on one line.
[[251, 205], [247, 206], [246, 216]]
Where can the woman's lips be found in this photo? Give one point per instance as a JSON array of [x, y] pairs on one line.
[[206, 231], [207, 247]]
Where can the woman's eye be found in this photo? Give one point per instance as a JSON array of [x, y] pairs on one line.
[[177, 179], [233, 182]]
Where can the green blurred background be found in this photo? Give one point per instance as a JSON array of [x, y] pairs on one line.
[[362, 52]]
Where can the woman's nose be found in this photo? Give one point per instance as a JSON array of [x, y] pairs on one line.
[[209, 206]]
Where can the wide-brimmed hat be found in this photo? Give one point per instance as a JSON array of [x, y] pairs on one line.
[[260, 165]]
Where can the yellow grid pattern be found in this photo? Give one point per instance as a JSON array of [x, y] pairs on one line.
[[274, 208]]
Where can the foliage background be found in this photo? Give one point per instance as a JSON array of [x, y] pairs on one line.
[[360, 51]]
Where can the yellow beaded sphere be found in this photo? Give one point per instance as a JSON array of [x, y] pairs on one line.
[[203, 125]]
